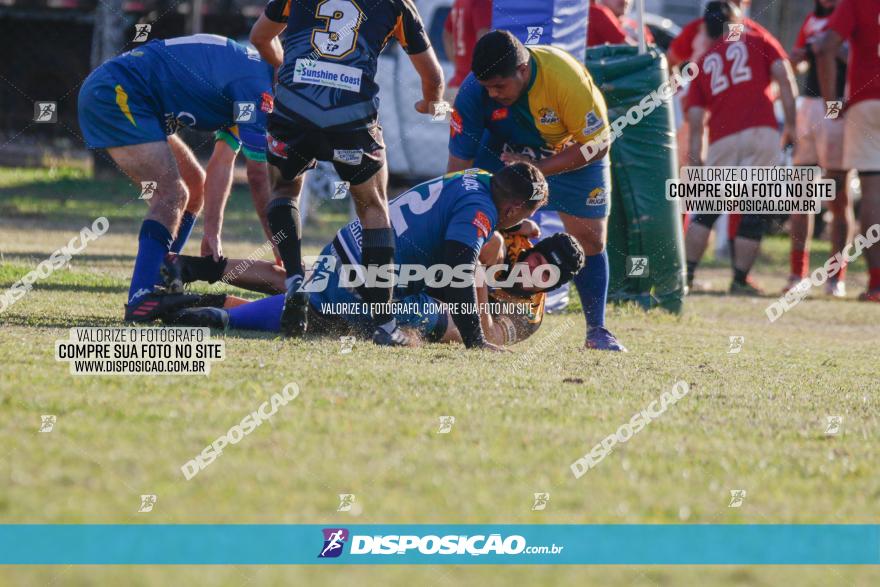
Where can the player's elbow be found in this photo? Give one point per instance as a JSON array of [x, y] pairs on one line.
[[827, 45]]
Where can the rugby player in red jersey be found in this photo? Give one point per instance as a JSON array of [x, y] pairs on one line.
[[859, 23], [468, 20], [819, 142], [733, 87]]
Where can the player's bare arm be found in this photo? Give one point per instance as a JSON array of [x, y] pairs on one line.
[[783, 75], [826, 55], [568, 159], [264, 36], [431, 74], [218, 185], [695, 117]]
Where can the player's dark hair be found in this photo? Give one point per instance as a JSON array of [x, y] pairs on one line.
[[717, 15], [821, 10], [521, 183], [498, 54]]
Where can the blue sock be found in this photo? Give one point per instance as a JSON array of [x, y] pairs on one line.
[[592, 286], [264, 314], [153, 244], [187, 222]]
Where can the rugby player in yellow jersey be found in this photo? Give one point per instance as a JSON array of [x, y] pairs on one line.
[[539, 104]]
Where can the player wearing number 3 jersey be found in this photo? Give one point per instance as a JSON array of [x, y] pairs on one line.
[[326, 109]]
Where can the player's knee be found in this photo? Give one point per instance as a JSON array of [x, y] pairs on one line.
[[705, 220], [592, 241], [751, 227]]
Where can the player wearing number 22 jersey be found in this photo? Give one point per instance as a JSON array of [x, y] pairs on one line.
[[734, 87]]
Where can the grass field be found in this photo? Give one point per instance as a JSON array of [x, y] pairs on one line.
[[366, 422]]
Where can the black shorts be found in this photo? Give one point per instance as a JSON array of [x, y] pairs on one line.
[[356, 150]]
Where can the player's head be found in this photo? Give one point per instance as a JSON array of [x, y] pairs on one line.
[[501, 65], [717, 15], [518, 190], [560, 250], [824, 7]]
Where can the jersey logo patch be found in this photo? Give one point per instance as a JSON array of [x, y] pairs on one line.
[[484, 227], [348, 156], [331, 75], [268, 102], [592, 123], [548, 116], [276, 147], [456, 126], [598, 197], [499, 114]]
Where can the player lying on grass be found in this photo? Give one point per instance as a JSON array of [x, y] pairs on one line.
[[539, 104], [516, 312], [443, 222], [327, 109], [134, 103]]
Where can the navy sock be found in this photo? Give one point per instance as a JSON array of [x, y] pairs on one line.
[[284, 222], [592, 287], [378, 249], [154, 242], [187, 221], [264, 314]]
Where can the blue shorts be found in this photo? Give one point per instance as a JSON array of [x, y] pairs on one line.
[[114, 113], [416, 310], [584, 192]]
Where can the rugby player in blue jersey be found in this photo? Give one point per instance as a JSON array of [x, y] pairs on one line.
[[445, 221], [539, 104], [134, 103], [326, 107]]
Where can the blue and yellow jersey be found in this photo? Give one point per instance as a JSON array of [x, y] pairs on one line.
[[561, 105], [331, 52]]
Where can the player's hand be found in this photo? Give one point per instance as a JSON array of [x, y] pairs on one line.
[[529, 229], [211, 245], [423, 107], [511, 158], [789, 137], [494, 348]]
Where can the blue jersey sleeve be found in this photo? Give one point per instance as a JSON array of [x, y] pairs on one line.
[[472, 220], [467, 123]]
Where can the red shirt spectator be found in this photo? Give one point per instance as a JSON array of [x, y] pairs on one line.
[[733, 85], [631, 27], [468, 20], [860, 23], [603, 27], [688, 44]]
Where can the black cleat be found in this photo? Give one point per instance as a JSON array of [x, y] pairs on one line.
[[295, 314], [172, 272], [396, 337], [157, 303], [209, 317]]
